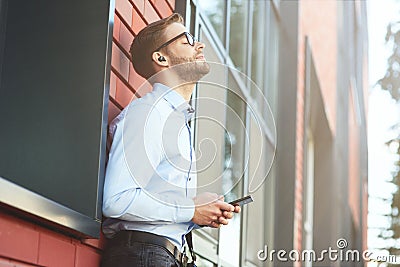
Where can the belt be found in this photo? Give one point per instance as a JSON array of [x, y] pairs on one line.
[[131, 236]]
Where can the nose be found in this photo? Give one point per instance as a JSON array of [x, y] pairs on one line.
[[200, 45]]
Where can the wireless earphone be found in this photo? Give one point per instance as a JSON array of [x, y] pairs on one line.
[[161, 58]]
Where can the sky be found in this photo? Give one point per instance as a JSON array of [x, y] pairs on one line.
[[382, 113]]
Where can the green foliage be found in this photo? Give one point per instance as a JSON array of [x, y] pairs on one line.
[[391, 81]]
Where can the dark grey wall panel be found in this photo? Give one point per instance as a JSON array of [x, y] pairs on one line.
[[53, 95]]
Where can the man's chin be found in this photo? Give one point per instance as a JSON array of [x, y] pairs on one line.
[[191, 71], [203, 67]]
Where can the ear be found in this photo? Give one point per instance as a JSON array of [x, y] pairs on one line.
[[160, 59]]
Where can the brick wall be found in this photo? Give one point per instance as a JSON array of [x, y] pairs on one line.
[[318, 23], [130, 17], [23, 243]]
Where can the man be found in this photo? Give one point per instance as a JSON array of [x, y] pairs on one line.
[[150, 196]]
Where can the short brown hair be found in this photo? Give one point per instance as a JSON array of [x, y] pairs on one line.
[[146, 41]]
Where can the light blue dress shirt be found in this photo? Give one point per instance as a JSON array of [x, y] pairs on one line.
[[150, 177]]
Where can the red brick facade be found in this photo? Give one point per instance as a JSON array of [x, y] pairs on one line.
[[23, 244], [130, 17], [323, 45]]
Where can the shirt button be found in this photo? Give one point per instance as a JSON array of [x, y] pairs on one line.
[[190, 178]]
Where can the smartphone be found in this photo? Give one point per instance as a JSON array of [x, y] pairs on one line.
[[242, 201]]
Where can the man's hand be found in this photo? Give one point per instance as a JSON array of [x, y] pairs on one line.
[[228, 215], [211, 210]]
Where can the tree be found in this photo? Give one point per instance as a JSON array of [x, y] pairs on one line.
[[391, 83]]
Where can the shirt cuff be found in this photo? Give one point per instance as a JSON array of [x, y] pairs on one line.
[[185, 211]]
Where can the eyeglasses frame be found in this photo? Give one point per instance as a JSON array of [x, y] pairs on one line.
[[176, 38]]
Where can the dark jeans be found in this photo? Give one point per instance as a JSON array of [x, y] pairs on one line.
[[138, 255]]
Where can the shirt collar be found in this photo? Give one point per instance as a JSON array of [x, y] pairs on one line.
[[174, 99]]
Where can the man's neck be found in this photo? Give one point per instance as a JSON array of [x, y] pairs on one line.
[[185, 90]]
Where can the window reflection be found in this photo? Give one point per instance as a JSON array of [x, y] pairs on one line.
[[238, 33], [272, 58], [257, 52], [234, 141], [202, 262], [215, 11], [232, 182], [248, 30]]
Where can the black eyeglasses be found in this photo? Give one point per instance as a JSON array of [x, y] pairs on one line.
[[190, 39]]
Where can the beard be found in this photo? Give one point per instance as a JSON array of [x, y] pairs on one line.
[[188, 68]]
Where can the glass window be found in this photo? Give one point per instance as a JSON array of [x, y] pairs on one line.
[[234, 168], [234, 140], [210, 130], [215, 11], [256, 174], [222, 137], [271, 85], [238, 33], [202, 262], [258, 43], [276, 4]]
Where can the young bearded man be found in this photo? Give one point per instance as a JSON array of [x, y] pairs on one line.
[[150, 196]]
